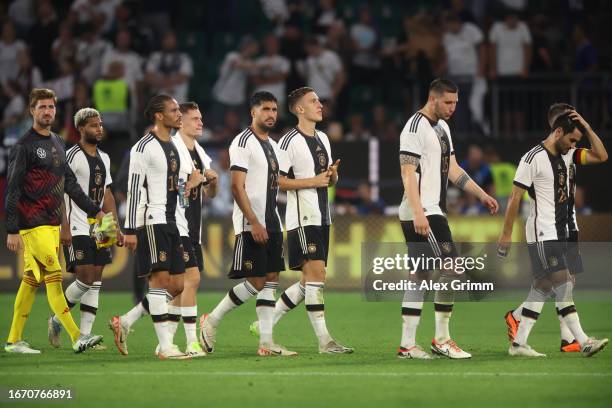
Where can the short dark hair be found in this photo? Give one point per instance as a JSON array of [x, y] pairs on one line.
[[155, 105], [296, 95], [442, 85], [260, 97], [567, 124], [557, 109], [38, 94], [187, 106]]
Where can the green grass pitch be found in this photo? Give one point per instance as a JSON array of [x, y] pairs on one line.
[[234, 376]]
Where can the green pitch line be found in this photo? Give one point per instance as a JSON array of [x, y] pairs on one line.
[[235, 376]]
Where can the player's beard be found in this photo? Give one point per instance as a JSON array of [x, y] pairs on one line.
[[91, 139], [45, 123], [267, 128]]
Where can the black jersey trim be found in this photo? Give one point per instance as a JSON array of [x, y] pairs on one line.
[[238, 168], [143, 142]]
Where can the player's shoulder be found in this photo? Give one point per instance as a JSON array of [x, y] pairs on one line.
[[416, 123], [104, 156], [285, 141], [242, 139], [74, 153], [535, 152], [322, 136], [143, 143]]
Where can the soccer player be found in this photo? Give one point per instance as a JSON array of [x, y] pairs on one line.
[[597, 154], [91, 166], [38, 176], [153, 177], [543, 172], [258, 249], [306, 172], [194, 162], [427, 161]]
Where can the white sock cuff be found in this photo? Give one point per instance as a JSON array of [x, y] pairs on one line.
[[157, 302], [174, 310], [189, 311]]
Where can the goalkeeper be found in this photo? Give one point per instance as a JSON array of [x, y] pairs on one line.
[[87, 245], [38, 176]]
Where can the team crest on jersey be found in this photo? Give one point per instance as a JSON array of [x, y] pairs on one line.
[[162, 256], [273, 164], [444, 146], [40, 152], [185, 256], [79, 254], [446, 247], [49, 260], [98, 179], [312, 248], [322, 160], [553, 261], [173, 165], [248, 265]]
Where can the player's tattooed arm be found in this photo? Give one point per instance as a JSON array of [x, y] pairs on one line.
[[462, 180], [409, 159]]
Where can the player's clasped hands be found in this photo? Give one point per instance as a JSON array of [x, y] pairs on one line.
[[322, 179], [211, 176]]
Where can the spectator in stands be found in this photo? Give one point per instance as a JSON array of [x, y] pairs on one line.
[[383, 127], [111, 97], [586, 56], [229, 92], [324, 17], [131, 68], [141, 34], [502, 174], [340, 42], [276, 10], [366, 63], [169, 71], [16, 106], [323, 71], [122, 52], [65, 45], [9, 48], [510, 59], [357, 131], [90, 48], [271, 71], [542, 59], [465, 64], [28, 75], [510, 47], [230, 127], [364, 203], [222, 205], [292, 48], [475, 166], [99, 13], [23, 14], [579, 202], [41, 37]]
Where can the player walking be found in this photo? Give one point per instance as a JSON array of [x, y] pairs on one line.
[[84, 258], [427, 160]]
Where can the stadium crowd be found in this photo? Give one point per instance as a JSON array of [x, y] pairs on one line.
[[369, 61]]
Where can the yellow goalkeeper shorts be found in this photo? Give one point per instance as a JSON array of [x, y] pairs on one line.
[[41, 249]]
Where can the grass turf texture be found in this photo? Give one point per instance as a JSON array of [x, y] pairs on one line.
[[235, 376]]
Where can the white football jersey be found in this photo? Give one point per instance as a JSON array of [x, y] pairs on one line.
[[152, 180], [93, 175], [545, 177], [431, 143], [259, 160], [303, 156]]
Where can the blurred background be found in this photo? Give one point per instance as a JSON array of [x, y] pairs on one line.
[[370, 62]]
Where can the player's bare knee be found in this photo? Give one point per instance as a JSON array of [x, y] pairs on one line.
[[86, 274], [258, 282], [272, 277]]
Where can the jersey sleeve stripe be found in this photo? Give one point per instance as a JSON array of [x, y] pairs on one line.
[[143, 142], [135, 193], [72, 153], [532, 154], [287, 139], [519, 184], [244, 138], [414, 125], [418, 156], [238, 168]]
